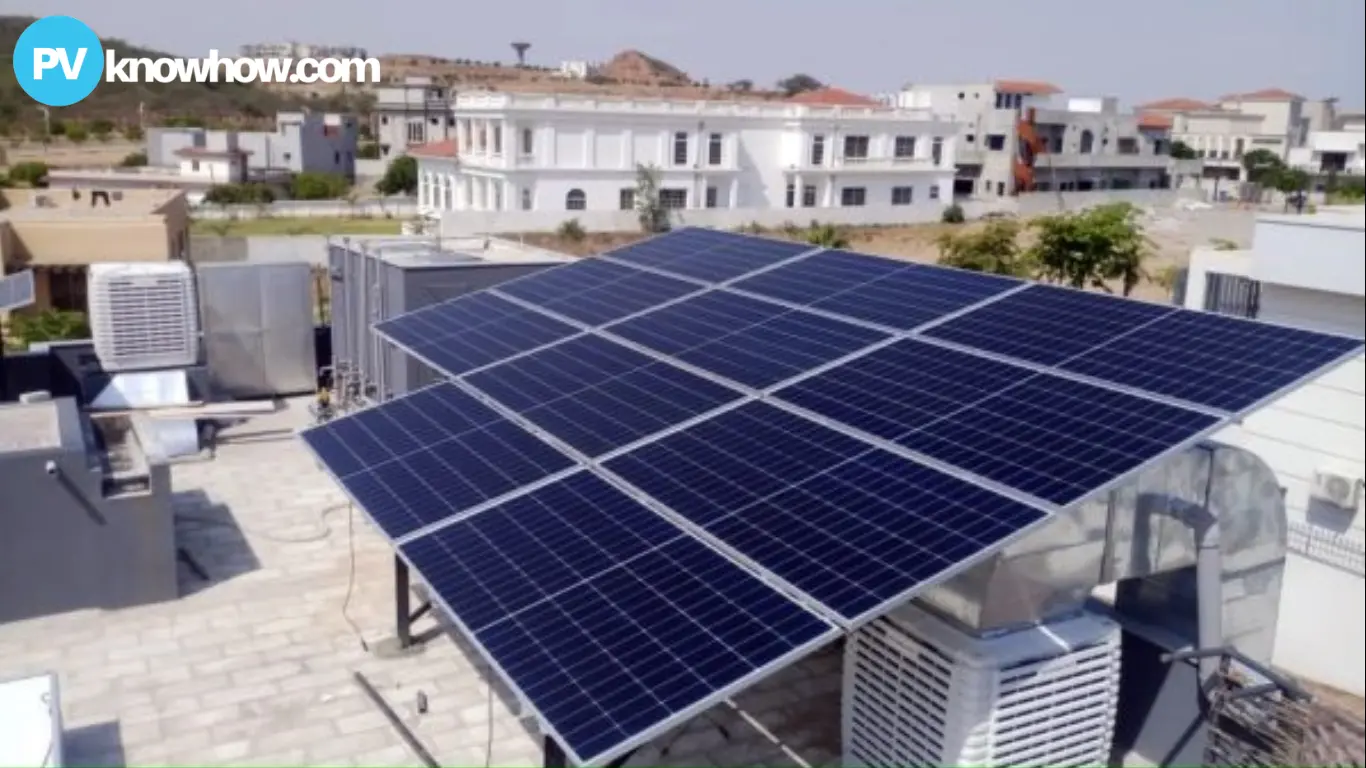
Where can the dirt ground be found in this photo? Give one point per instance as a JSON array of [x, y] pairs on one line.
[[64, 154], [1173, 232]]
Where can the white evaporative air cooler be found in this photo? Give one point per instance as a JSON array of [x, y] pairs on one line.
[[144, 316], [918, 691]]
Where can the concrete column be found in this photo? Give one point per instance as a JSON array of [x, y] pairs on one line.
[[734, 199], [453, 184], [797, 190], [421, 189], [510, 202]]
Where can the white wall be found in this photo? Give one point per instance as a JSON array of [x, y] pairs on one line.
[[1322, 252], [1321, 426]]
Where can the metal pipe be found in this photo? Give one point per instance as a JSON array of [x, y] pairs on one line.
[[1209, 584], [398, 726]]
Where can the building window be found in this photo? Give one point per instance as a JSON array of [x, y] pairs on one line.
[[1238, 148], [904, 147], [497, 139], [996, 142], [818, 150], [450, 122], [194, 165], [336, 158], [673, 199], [680, 148], [711, 197], [383, 119], [903, 195], [853, 196], [417, 133], [934, 191], [436, 121], [714, 149], [528, 142], [626, 199], [809, 196], [576, 200], [526, 199], [855, 147], [937, 150], [791, 198], [67, 289], [1088, 141]]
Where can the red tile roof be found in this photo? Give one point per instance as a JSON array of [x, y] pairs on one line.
[[1265, 94], [446, 148], [1027, 87], [1154, 121], [834, 97], [1179, 104]]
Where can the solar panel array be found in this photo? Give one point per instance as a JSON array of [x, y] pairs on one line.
[[16, 290], [662, 473]]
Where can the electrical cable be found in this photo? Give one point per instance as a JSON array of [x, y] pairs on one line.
[[488, 740], [46, 698], [351, 577], [322, 533]]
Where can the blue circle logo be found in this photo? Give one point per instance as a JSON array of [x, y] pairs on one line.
[[58, 60]]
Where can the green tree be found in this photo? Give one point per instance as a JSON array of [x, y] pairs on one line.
[[994, 249], [825, 236], [1087, 248], [953, 214], [400, 178], [1180, 150], [134, 160], [316, 185], [799, 83], [133, 132], [1262, 166], [367, 150], [77, 133], [1291, 180], [571, 231], [653, 216], [49, 325]]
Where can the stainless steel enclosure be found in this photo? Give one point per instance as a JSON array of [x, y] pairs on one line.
[[258, 328]]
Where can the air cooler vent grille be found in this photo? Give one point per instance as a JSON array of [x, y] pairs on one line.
[[920, 692], [143, 316]]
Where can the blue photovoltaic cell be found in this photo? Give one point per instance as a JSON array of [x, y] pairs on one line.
[[1047, 325], [597, 395], [594, 291], [746, 340], [874, 289], [853, 526], [607, 618], [707, 255], [1221, 362], [1054, 438], [472, 331], [426, 456]]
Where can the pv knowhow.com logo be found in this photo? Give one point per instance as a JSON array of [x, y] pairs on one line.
[[59, 60]]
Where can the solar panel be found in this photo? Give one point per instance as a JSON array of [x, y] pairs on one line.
[[612, 623], [855, 527], [594, 291], [1221, 362], [16, 290], [424, 457], [597, 395], [877, 290], [472, 331], [1047, 325], [753, 342], [708, 255], [1057, 439]]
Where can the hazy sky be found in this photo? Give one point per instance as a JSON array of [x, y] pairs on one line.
[[1135, 50]]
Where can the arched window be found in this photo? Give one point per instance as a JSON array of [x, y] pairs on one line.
[[575, 200], [1087, 139]]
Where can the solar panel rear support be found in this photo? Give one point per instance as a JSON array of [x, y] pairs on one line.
[[554, 756]]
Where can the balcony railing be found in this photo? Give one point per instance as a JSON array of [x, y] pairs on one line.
[[1099, 160]]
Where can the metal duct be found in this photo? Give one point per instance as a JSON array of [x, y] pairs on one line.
[[1142, 534]]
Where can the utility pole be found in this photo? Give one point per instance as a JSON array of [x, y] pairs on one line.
[[47, 127]]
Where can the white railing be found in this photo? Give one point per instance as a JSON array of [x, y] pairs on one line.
[[1346, 551], [701, 107]]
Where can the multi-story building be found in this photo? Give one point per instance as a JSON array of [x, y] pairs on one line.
[[60, 232], [1337, 148], [410, 113], [302, 141], [295, 50], [1221, 132], [1014, 138], [540, 152]]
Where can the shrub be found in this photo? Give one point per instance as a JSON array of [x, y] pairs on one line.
[[572, 231], [133, 160], [32, 173], [953, 214], [239, 194], [77, 133], [315, 185]]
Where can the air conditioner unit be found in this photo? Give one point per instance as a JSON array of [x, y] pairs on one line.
[[920, 691], [1340, 490], [144, 316]]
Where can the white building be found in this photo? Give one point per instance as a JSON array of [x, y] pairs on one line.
[[1337, 149], [1307, 271], [410, 113], [570, 153], [1015, 137]]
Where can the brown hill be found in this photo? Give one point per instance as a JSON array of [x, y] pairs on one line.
[[639, 68]]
